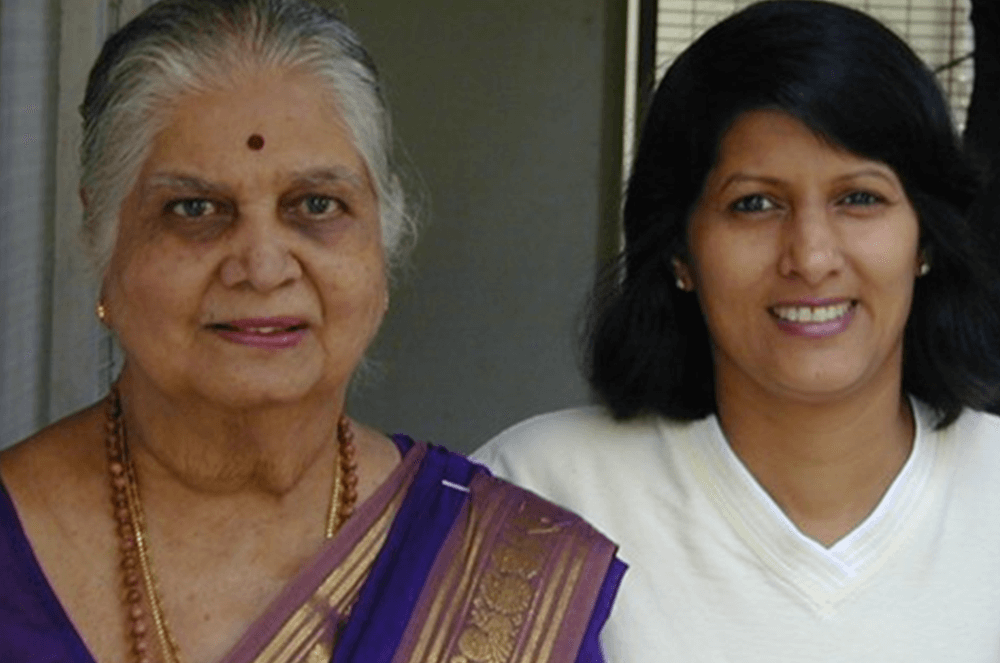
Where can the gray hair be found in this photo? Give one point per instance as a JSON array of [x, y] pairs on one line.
[[177, 46]]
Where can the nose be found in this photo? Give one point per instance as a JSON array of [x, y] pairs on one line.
[[812, 249], [261, 255]]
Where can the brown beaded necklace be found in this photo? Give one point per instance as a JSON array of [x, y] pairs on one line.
[[136, 566]]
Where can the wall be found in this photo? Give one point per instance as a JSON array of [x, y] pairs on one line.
[[511, 112]]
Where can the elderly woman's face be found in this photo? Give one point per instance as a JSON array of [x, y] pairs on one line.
[[803, 257], [249, 267]]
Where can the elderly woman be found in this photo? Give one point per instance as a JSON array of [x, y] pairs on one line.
[[790, 359], [241, 206]]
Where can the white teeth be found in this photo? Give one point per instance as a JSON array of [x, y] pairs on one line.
[[811, 313], [264, 330]]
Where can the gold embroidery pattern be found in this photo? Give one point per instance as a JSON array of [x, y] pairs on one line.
[[307, 635], [512, 584], [321, 653], [507, 591]]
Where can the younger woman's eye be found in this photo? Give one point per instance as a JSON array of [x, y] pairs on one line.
[[193, 208], [753, 203], [862, 198]]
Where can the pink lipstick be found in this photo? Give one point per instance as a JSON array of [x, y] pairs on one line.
[[814, 318], [277, 333]]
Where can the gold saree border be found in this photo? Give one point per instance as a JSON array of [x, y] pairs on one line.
[[299, 626], [515, 582], [308, 633]]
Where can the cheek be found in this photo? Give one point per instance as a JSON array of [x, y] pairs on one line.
[[726, 267], [155, 282], [888, 255], [352, 283]]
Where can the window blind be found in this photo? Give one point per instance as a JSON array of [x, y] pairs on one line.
[[938, 30]]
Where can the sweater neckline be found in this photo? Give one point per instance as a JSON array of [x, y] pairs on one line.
[[822, 577]]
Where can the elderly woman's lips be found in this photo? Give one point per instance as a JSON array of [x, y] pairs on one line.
[[267, 333]]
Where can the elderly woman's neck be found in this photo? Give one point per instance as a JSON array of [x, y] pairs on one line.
[[826, 465], [209, 448]]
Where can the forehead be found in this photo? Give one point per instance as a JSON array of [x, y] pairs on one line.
[[762, 139], [290, 115]]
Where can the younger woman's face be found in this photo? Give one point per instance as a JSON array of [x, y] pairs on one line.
[[803, 257]]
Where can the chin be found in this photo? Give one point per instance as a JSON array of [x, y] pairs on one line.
[[819, 391], [265, 392]]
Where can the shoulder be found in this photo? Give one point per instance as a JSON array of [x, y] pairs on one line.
[[57, 502], [57, 483], [530, 569], [574, 440], [525, 512], [967, 452], [580, 431], [57, 459], [502, 499], [964, 476], [586, 461], [972, 430], [497, 504], [973, 439]]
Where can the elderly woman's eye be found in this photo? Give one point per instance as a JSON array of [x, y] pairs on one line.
[[319, 205], [862, 198], [754, 203], [193, 207]]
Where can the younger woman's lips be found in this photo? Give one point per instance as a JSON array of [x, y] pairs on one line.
[[819, 329]]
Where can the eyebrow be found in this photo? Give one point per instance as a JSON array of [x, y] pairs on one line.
[[181, 181], [890, 177], [308, 177], [324, 175], [864, 172], [744, 177]]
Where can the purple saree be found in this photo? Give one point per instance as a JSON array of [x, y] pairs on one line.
[[442, 564]]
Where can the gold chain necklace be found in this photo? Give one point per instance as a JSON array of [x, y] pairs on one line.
[[136, 566]]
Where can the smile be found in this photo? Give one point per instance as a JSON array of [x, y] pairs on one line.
[[259, 330], [807, 314], [264, 333]]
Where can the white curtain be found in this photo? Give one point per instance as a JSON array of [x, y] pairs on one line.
[[938, 30], [54, 357]]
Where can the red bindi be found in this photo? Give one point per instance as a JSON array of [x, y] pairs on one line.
[[255, 142]]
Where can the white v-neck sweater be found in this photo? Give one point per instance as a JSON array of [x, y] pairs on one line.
[[719, 573]]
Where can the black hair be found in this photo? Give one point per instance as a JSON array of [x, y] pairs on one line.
[[862, 88]]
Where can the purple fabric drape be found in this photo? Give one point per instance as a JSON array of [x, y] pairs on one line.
[[426, 517], [34, 627]]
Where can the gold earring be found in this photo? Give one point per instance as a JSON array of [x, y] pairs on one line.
[[102, 312]]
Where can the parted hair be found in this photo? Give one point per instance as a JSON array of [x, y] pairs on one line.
[[181, 46], [860, 87]]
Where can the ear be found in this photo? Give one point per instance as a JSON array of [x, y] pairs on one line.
[[682, 274]]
